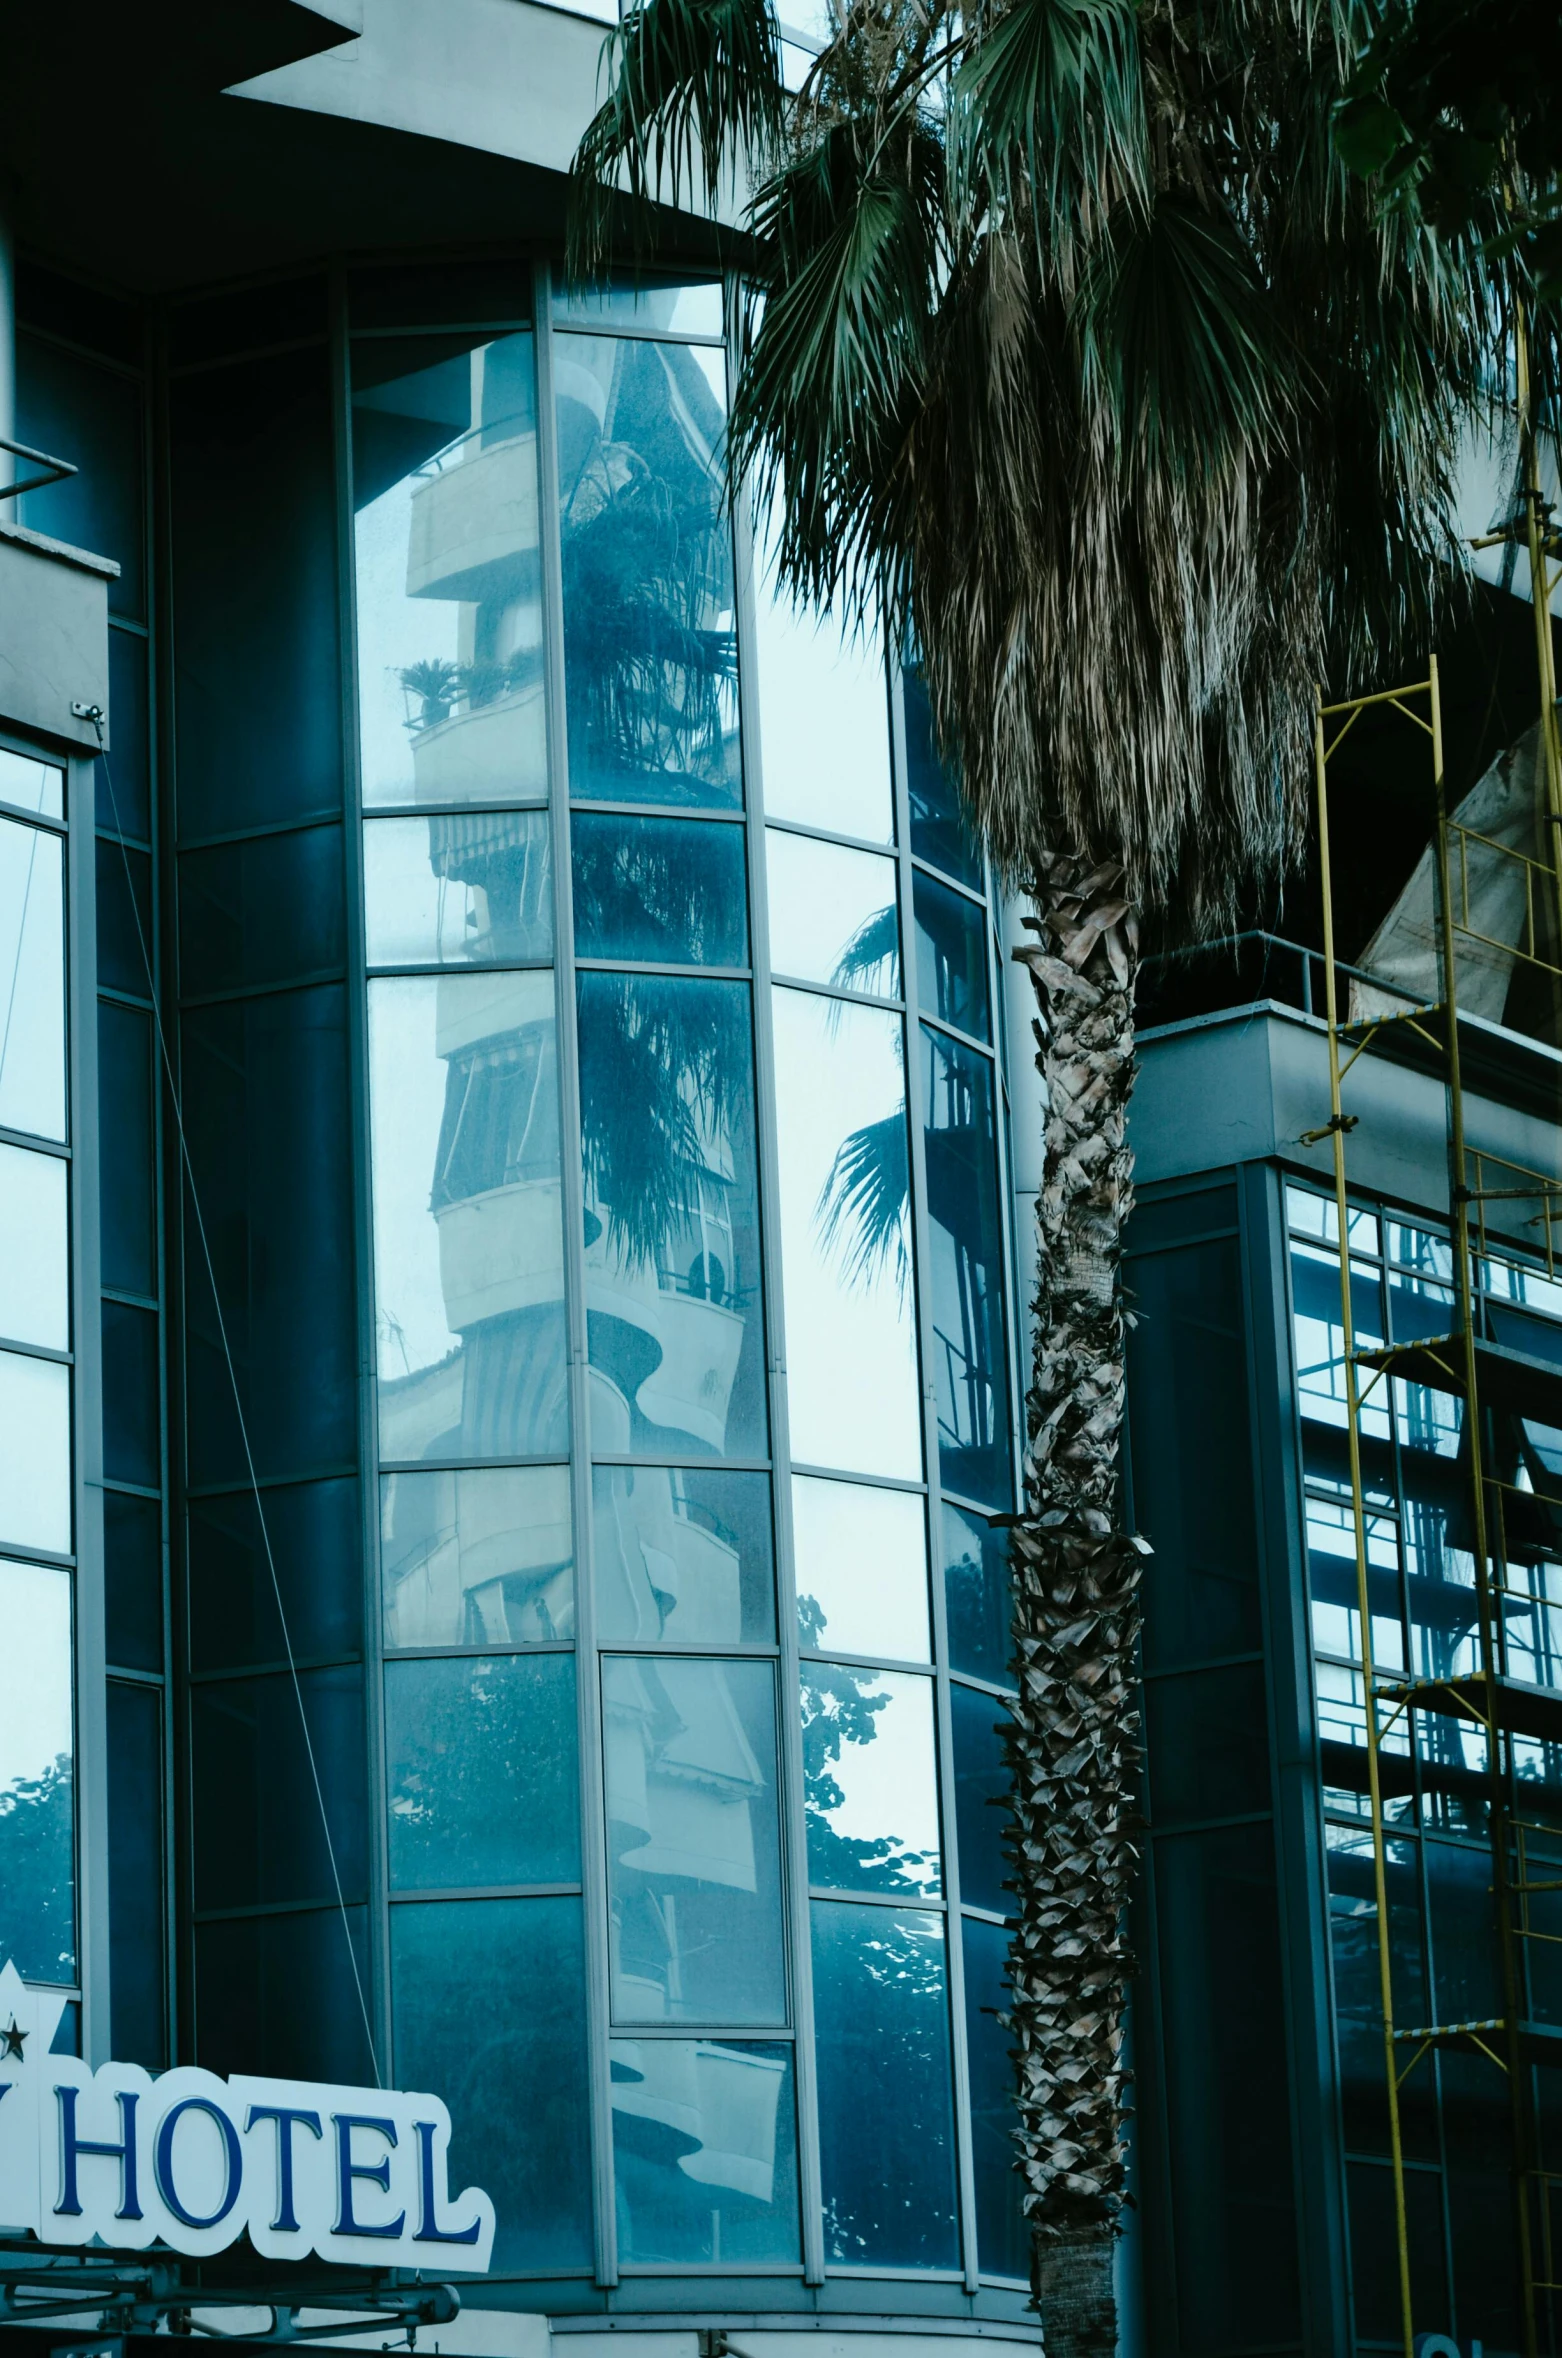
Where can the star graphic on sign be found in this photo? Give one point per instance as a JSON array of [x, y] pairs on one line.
[[13, 2040]]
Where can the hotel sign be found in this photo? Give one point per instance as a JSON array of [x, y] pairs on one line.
[[192, 2162]]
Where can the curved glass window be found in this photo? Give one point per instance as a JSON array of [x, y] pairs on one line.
[[871, 1780], [965, 1278], [846, 1236], [650, 648], [468, 1247], [694, 1857], [704, 2152], [882, 2010], [683, 1554], [461, 889], [481, 1557], [861, 1569], [659, 892], [481, 1756], [448, 558], [833, 914], [674, 1313]]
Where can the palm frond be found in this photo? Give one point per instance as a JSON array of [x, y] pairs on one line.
[[695, 85]]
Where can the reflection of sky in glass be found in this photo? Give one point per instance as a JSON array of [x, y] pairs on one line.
[[823, 720], [35, 1457], [832, 914], [850, 1341], [32, 785], [692, 309], [861, 1569], [35, 1670], [34, 1273], [32, 981], [872, 1796]]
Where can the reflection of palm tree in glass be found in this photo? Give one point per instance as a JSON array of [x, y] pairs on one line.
[[650, 657], [654, 683], [840, 1709]]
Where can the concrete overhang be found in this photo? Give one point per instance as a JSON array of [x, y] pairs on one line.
[[187, 142], [1246, 1084]]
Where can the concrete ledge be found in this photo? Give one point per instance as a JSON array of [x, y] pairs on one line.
[[53, 636]]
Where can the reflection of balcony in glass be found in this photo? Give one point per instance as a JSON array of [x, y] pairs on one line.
[[676, 1361], [473, 537], [479, 1558], [693, 1840], [659, 1561], [714, 2106]]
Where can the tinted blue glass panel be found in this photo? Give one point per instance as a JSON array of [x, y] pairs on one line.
[[694, 1852], [672, 1243], [970, 1366], [35, 1264], [982, 1787], [460, 294], [489, 2001], [256, 665], [124, 776], [1002, 2241], [882, 2023], [704, 2153], [978, 1600], [90, 417], [127, 1206], [259, 1832], [951, 957], [312, 1540], [269, 911], [939, 831], [284, 1994], [267, 1099], [37, 1807], [214, 327], [659, 892], [124, 916], [135, 1873], [870, 1780], [133, 1580], [650, 655], [683, 1554], [132, 1421], [481, 1758]]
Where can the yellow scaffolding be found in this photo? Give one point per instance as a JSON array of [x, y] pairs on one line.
[[1487, 1377]]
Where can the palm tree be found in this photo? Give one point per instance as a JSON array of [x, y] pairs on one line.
[[1087, 370]]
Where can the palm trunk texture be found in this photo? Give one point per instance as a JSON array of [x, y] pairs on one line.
[[1073, 1746]]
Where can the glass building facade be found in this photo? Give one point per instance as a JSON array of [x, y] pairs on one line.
[[558, 1360]]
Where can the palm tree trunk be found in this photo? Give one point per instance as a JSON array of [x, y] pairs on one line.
[[1073, 1749]]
